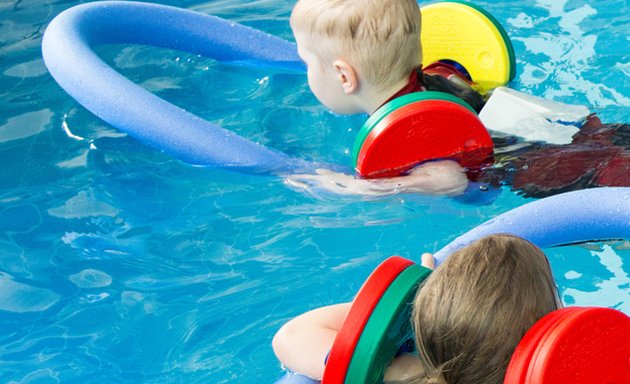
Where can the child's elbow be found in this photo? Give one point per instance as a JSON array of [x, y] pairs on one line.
[[282, 341]]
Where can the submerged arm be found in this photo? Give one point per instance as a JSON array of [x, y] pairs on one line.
[[442, 177]]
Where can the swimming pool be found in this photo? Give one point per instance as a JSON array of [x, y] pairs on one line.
[[120, 264]]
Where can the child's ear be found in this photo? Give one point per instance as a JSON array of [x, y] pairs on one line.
[[347, 76]]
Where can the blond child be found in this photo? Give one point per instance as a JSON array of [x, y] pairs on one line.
[[360, 54], [468, 316]]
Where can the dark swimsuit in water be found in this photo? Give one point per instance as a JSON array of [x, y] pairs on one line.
[[599, 154]]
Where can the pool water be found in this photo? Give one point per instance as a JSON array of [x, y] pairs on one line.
[[119, 264]]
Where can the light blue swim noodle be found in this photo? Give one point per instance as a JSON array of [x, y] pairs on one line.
[[67, 49], [567, 218]]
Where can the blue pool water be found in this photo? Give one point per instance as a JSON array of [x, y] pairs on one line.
[[121, 264]]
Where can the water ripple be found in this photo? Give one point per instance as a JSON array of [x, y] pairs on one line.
[[20, 297]]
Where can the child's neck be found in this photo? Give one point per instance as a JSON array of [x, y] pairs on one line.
[[375, 99]]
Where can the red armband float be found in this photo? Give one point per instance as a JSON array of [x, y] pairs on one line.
[[420, 127], [377, 324], [577, 345]]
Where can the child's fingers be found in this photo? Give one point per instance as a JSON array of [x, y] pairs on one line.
[[427, 260], [324, 171], [299, 181]]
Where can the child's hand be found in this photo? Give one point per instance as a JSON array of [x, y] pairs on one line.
[[405, 368], [443, 177], [330, 181], [427, 261], [344, 184]]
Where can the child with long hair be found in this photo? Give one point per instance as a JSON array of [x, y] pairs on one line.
[[469, 315]]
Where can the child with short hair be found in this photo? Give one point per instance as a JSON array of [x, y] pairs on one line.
[[469, 316], [364, 53], [361, 54]]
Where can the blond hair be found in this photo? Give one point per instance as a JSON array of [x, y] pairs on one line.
[[473, 310], [380, 38]]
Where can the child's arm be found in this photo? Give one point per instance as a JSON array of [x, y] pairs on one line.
[[303, 343], [443, 177]]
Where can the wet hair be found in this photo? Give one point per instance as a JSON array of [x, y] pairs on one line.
[[473, 310], [381, 38]]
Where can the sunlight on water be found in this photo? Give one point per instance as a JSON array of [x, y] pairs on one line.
[[609, 289], [569, 53], [19, 298]]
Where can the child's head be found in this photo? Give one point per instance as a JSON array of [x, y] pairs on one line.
[[378, 40], [473, 310]]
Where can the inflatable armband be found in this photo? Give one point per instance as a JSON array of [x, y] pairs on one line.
[[574, 345], [419, 127], [377, 324], [469, 36]]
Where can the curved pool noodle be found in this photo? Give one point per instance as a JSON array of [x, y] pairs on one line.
[[567, 218], [67, 49]]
